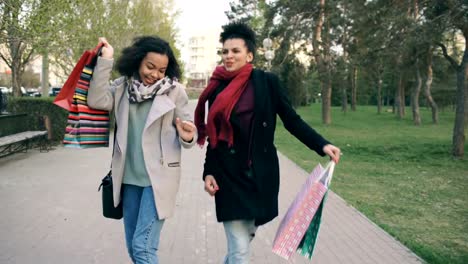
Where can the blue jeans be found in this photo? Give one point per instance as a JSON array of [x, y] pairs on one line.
[[142, 226], [239, 234]]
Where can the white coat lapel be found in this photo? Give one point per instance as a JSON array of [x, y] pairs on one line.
[[121, 113], [161, 105]]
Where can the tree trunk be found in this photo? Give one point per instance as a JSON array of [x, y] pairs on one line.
[[415, 97], [322, 58], [458, 148], [403, 98], [399, 104], [379, 96], [387, 98], [347, 81], [353, 89], [459, 127], [16, 79], [45, 74], [326, 103], [344, 98], [427, 89], [466, 96]]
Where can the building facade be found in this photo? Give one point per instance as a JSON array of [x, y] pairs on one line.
[[202, 56]]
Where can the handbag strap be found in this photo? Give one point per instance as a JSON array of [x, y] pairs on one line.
[[113, 142]]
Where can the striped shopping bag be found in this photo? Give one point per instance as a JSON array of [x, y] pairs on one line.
[[298, 229], [86, 127]]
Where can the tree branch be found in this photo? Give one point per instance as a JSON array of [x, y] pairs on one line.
[[8, 63], [27, 58], [450, 59]]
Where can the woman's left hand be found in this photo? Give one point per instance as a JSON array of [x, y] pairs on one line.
[[186, 129], [333, 152]]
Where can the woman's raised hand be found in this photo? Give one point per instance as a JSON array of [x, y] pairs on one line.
[[186, 129], [107, 51]]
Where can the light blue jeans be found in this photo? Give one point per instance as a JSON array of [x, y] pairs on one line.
[[142, 226], [239, 234]]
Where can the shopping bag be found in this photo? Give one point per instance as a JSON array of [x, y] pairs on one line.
[[64, 98], [86, 127], [307, 245], [306, 209]]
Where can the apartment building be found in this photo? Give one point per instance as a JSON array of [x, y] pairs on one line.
[[202, 56]]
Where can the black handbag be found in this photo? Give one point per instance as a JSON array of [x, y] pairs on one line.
[[108, 209]]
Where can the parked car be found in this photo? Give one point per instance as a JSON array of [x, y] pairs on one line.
[[54, 90], [34, 92], [3, 99], [4, 90]]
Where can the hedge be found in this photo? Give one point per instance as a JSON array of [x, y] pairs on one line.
[[35, 107]]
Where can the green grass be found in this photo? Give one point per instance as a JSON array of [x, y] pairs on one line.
[[399, 175]]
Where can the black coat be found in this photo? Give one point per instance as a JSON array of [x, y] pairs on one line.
[[252, 193]]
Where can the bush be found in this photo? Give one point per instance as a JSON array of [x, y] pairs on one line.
[[12, 124], [35, 108]]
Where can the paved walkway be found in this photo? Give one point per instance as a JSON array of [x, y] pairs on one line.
[[51, 213]]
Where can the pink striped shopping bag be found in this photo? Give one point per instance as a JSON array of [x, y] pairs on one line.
[[295, 223]]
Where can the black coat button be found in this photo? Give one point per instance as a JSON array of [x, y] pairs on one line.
[[265, 124]]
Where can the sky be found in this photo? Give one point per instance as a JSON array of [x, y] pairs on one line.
[[199, 15]]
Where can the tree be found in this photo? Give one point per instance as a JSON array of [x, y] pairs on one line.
[[453, 15], [18, 52], [118, 20], [26, 26]]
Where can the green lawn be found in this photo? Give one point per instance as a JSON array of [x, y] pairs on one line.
[[400, 176]]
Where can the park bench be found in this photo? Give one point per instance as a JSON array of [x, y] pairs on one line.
[[21, 141]]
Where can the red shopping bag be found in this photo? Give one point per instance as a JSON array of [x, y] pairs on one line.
[[65, 97], [86, 127], [303, 209]]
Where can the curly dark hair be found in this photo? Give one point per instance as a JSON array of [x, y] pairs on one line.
[[129, 63], [242, 31]]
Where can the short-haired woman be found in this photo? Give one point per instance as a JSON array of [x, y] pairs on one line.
[[241, 165]]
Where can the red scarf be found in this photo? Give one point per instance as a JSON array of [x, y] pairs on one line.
[[218, 126]]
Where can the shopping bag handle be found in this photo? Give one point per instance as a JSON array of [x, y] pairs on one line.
[[330, 167], [98, 48]]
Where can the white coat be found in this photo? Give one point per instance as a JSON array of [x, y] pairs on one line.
[[161, 143]]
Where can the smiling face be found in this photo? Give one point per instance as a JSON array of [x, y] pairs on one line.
[[153, 68], [235, 54]]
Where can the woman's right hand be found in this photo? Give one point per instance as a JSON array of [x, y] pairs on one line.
[[211, 186], [107, 51]]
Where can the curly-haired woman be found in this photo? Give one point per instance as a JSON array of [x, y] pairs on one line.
[[153, 122]]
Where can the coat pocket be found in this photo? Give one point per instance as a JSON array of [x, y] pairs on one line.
[[173, 164]]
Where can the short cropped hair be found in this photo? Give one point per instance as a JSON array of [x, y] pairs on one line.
[[129, 63], [239, 30]]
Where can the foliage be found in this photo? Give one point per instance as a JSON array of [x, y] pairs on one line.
[[37, 107], [293, 73], [13, 123], [26, 28], [381, 46], [65, 29]]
